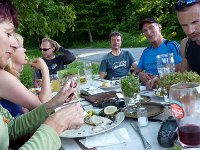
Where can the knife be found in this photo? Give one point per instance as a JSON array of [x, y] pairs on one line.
[[144, 141]]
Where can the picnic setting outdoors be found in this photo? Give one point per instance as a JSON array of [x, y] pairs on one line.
[[63, 86]]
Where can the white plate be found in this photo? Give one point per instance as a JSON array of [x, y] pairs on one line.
[[110, 87], [113, 85], [86, 130]]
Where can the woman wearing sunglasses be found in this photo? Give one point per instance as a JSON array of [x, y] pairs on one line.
[[49, 48], [46, 123]]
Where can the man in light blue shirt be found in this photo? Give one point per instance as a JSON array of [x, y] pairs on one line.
[[147, 66]]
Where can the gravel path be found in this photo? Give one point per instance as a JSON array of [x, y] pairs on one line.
[[97, 54]]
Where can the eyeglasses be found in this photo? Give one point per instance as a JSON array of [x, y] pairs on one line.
[[182, 3], [45, 49]]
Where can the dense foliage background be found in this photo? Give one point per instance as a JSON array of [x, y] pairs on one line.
[[85, 21]]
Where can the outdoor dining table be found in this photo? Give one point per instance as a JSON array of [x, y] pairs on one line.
[[150, 132]]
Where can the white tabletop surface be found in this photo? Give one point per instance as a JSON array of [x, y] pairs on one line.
[[150, 133]]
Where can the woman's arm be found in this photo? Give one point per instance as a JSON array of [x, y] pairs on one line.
[[13, 90], [45, 93], [46, 136]]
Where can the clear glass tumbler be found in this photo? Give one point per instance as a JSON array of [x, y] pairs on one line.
[[165, 64], [55, 83], [88, 71]]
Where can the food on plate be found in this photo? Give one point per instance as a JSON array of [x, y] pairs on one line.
[[109, 110], [106, 84], [100, 128], [90, 113], [99, 121], [35, 90]]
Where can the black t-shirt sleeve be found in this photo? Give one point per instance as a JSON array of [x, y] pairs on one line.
[[68, 56]]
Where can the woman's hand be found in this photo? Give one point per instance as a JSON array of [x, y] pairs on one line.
[[69, 117], [39, 63], [65, 95]]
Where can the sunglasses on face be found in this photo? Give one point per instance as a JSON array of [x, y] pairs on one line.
[[182, 3], [45, 49]]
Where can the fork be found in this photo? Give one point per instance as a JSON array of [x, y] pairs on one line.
[[144, 141]]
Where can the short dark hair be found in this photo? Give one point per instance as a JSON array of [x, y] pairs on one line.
[[9, 12], [115, 33]]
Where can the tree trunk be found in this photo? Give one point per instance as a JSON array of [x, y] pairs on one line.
[[90, 36]]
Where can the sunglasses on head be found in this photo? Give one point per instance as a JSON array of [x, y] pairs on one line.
[[45, 49], [182, 3]]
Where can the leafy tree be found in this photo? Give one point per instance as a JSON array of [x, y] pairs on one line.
[[94, 17], [44, 18], [88, 20]]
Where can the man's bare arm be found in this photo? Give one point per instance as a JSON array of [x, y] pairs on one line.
[[178, 67], [184, 64]]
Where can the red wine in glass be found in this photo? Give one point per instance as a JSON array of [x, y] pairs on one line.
[[189, 135]]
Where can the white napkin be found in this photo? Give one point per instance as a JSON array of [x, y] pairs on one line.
[[109, 138]]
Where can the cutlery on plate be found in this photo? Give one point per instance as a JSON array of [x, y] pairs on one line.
[[144, 141]]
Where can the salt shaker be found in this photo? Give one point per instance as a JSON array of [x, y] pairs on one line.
[[142, 116]]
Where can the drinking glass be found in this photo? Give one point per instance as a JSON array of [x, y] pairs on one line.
[[66, 74], [55, 83], [185, 106], [165, 64], [82, 77], [130, 88], [88, 71]]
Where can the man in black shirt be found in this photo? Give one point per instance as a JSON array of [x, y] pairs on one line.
[[48, 48], [188, 13]]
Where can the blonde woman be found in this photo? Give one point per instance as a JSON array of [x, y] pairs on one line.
[[24, 98]]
